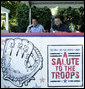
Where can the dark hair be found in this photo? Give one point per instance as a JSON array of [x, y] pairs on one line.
[[60, 17], [35, 18]]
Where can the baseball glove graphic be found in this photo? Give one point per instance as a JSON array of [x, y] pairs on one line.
[[21, 61]]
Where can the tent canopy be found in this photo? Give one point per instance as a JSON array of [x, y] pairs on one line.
[[52, 4], [4, 10]]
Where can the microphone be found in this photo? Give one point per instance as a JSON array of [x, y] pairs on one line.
[[30, 26]]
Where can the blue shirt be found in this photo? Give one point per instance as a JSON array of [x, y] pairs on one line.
[[38, 29], [67, 24]]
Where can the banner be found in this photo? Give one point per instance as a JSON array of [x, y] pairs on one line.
[[42, 60]]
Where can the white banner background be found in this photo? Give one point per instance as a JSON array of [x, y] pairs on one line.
[[41, 43]]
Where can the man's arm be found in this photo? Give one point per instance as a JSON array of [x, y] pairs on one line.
[[29, 28]]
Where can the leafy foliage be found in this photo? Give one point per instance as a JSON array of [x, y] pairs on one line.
[[22, 13], [11, 5], [75, 15]]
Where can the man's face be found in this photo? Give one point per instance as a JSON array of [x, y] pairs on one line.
[[34, 22], [57, 21]]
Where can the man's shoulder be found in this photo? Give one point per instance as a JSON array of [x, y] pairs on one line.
[[40, 25], [30, 25]]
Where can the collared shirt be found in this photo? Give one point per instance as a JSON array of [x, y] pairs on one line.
[[38, 29]]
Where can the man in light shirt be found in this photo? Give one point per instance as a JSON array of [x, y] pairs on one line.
[[35, 27]]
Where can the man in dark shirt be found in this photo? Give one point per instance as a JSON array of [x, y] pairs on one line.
[[59, 27], [64, 19]]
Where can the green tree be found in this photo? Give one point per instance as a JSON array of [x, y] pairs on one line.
[[22, 16], [11, 5]]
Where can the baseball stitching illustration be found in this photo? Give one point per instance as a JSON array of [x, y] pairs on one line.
[[21, 60]]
